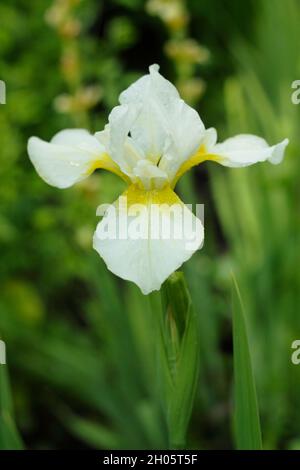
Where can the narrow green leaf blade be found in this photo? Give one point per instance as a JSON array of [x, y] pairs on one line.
[[246, 414], [9, 436], [92, 433]]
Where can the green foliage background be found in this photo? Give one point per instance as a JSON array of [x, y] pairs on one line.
[[79, 341]]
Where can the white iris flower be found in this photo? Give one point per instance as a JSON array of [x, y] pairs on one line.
[[153, 137]]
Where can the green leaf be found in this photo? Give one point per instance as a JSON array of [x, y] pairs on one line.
[[91, 432], [9, 436], [246, 415]]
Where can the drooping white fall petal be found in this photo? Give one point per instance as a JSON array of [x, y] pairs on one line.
[[147, 241], [69, 157], [247, 149]]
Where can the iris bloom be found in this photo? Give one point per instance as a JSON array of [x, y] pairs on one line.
[[152, 138]]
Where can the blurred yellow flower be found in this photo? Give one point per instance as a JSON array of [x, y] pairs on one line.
[[83, 100], [191, 89], [171, 12], [186, 50]]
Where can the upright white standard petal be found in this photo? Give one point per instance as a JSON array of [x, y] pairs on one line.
[[246, 149], [153, 95], [70, 156], [166, 129], [203, 153], [144, 242], [151, 83], [121, 147]]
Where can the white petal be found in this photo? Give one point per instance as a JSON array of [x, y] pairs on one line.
[[121, 147], [246, 149], [203, 153], [78, 137], [147, 252], [152, 93], [188, 134], [68, 158], [153, 82], [165, 124], [139, 169], [149, 175], [209, 139]]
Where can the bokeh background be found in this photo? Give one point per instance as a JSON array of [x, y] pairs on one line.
[[79, 342]]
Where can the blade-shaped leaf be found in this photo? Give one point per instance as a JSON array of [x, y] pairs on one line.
[[246, 415], [9, 436]]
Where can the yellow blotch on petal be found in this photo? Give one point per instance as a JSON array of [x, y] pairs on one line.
[[136, 195], [105, 162], [199, 157]]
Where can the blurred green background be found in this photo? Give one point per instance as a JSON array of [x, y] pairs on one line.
[[79, 343]]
